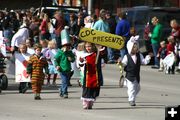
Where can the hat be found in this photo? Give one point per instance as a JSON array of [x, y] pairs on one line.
[[65, 38], [130, 43]]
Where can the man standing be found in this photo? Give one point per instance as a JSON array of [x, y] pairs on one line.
[[155, 40], [112, 26], [123, 29]]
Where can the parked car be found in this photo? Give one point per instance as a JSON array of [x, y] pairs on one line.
[[51, 10], [141, 15]]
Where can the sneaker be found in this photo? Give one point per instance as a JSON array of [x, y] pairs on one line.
[[160, 70], [65, 96], [20, 91], [48, 83], [155, 67], [69, 84], [24, 90], [37, 98], [111, 62], [60, 94], [79, 83], [132, 103], [178, 70]]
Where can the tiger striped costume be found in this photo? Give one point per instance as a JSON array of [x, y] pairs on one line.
[[35, 67]]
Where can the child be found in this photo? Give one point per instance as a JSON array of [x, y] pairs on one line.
[[50, 53], [92, 75], [30, 49], [36, 64], [63, 60], [21, 60], [170, 49], [44, 44], [132, 62], [79, 53], [162, 52]]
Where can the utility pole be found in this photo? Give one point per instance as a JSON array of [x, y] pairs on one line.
[[89, 7]]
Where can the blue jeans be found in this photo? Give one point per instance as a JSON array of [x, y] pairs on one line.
[[58, 41], [64, 84], [155, 48], [110, 54], [8, 35], [123, 52]]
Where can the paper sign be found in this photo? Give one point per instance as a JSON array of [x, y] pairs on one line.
[[20, 67], [102, 38], [2, 46]]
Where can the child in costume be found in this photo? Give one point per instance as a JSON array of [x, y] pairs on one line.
[[36, 64], [92, 75], [63, 60], [132, 62]]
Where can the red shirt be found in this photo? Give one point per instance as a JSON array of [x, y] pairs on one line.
[[170, 48]]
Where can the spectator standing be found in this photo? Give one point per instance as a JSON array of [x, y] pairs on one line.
[[44, 31], [73, 29], [20, 36], [155, 39], [176, 35], [34, 29], [112, 25], [123, 29], [102, 25], [59, 26]]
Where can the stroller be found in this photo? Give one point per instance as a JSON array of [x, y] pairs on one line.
[[3, 77]]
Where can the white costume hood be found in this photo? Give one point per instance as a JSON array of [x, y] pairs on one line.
[[130, 43]]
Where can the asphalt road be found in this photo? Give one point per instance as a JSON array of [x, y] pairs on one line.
[[157, 91]]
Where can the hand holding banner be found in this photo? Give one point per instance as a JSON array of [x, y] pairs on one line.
[[102, 38]]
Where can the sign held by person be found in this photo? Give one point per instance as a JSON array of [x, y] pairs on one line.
[[102, 38]]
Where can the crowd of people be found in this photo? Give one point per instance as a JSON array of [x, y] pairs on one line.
[[50, 46]]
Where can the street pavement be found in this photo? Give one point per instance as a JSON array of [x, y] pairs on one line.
[[157, 91]]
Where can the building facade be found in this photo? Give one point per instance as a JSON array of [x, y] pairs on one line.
[[93, 6]]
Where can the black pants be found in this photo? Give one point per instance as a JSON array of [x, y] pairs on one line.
[[23, 86]]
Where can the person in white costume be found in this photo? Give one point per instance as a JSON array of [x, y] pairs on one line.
[[132, 62]]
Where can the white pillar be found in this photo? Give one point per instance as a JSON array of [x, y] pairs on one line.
[[89, 7]]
